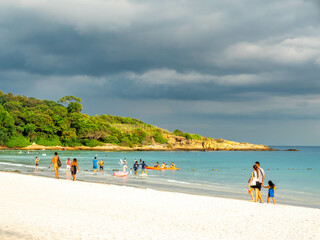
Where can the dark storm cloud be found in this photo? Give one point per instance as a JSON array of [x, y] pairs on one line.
[[213, 57]]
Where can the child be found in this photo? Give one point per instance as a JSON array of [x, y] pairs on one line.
[[271, 187]]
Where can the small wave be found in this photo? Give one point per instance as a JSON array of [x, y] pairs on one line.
[[175, 181], [13, 164]]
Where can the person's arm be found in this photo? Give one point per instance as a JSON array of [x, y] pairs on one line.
[[250, 179], [265, 186], [78, 167], [263, 176], [51, 162]]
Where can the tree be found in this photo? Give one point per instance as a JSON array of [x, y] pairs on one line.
[[74, 107], [68, 99]]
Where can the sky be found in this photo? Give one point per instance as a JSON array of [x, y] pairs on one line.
[[240, 70]]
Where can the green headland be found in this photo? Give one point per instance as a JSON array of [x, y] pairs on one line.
[[30, 123]]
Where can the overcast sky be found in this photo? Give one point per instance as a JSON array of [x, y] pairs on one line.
[[241, 70]]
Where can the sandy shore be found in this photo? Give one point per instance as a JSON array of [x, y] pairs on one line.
[[45, 208]]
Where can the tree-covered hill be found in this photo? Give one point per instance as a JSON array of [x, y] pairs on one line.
[[24, 121]]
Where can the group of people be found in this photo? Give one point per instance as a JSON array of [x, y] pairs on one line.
[[136, 166], [73, 166], [164, 165], [256, 183]]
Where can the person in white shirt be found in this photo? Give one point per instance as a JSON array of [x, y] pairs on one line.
[[260, 180]]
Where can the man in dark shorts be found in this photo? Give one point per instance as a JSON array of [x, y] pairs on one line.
[[260, 180]]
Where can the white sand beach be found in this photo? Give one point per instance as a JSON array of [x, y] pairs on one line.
[[44, 208]]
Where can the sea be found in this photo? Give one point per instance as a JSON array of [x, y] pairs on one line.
[[224, 174]]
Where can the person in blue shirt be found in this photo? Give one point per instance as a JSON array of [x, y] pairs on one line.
[[135, 167], [143, 167], [95, 164], [271, 187]]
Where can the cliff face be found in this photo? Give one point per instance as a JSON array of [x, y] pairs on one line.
[[181, 143]]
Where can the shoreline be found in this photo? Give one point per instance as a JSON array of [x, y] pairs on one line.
[[100, 211], [115, 148]]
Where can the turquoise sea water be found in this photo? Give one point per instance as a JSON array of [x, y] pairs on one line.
[[221, 174]]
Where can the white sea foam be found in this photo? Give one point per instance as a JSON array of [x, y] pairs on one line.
[[175, 181]]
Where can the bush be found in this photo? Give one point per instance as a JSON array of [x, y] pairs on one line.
[[18, 141], [187, 136], [91, 143], [158, 137], [3, 136], [178, 132], [74, 142], [196, 136], [54, 141]]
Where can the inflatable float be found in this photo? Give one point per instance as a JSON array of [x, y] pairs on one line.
[[120, 174], [159, 168]]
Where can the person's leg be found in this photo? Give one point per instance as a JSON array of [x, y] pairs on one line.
[[256, 193], [259, 195], [268, 199], [274, 201], [74, 177], [56, 172], [251, 194]]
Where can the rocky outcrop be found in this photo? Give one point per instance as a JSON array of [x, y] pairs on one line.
[[207, 144]]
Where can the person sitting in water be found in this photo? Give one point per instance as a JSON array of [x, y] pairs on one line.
[[173, 165], [157, 164], [163, 165]]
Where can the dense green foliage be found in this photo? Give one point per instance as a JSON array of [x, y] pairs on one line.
[[26, 120], [188, 136]]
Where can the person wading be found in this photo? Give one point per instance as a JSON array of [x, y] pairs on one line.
[[55, 160]]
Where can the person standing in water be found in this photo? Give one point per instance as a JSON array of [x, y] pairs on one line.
[[37, 163], [101, 163], [55, 160], [143, 167], [68, 163], [135, 167], [74, 167], [95, 164]]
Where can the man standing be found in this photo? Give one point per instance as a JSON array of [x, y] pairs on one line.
[[55, 164], [95, 164], [260, 180]]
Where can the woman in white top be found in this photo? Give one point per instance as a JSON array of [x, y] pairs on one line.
[[253, 183]]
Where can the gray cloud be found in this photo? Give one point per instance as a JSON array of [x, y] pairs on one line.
[[191, 62]]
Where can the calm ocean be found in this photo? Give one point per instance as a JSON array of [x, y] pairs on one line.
[[221, 174]]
